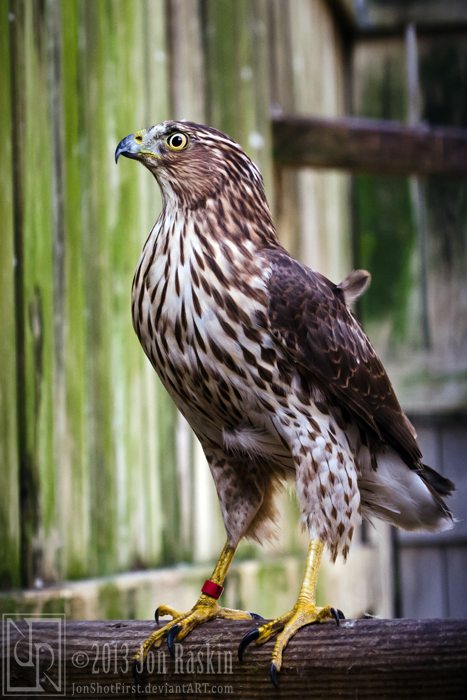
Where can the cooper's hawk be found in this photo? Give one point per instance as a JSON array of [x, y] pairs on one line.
[[270, 368]]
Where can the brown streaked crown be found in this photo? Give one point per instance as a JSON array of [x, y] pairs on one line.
[[194, 163]]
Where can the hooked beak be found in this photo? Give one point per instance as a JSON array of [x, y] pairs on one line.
[[128, 147]]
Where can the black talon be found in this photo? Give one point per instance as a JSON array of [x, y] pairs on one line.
[[335, 615], [171, 639], [255, 616], [134, 670], [247, 639], [272, 672], [156, 616], [338, 615]]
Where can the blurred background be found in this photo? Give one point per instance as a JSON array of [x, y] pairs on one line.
[[107, 508]]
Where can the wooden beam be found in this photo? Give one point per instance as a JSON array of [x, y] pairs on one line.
[[369, 145], [362, 658]]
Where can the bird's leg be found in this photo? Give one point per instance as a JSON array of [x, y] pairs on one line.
[[303, 613], [206, 608]]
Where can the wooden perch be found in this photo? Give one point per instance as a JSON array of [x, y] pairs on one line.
[[387, 659], [370, 145]]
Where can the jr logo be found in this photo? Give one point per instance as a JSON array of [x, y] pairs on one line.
[[34, 650]]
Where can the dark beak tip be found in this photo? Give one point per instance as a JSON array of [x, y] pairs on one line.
[[128, 148]]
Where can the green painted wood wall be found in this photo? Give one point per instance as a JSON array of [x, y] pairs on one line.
[[99, 473], [90, 475]]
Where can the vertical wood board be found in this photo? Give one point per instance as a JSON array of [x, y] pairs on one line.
[[424, 594], [286, 180], [237, 77], [456, 577], [318, 88], [68, 332], [9, 466], [40, 538]]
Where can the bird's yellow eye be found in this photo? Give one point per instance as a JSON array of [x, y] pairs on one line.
[[177, 142]]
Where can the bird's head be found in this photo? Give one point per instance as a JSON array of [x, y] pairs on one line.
[[192, 163]]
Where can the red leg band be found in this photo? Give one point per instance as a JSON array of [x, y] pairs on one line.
[[212, 589]]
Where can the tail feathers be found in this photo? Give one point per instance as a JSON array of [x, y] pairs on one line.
[[443, 486], [409, 499]]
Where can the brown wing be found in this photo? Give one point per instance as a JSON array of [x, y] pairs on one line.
[[308, 315]]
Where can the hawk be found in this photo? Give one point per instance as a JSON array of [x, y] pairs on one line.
[[267, 363]]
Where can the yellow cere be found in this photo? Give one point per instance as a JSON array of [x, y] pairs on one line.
[[139, 136]]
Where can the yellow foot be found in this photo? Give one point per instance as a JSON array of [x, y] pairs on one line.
[[301, 615], [182, 624]]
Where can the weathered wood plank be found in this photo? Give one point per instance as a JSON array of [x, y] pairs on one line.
[[237, 76], [99, 279], [286, 180], [362, 658], [69, 313], [317, 83], [9, 465], [186, 61], [33, 232], [364, 145]]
